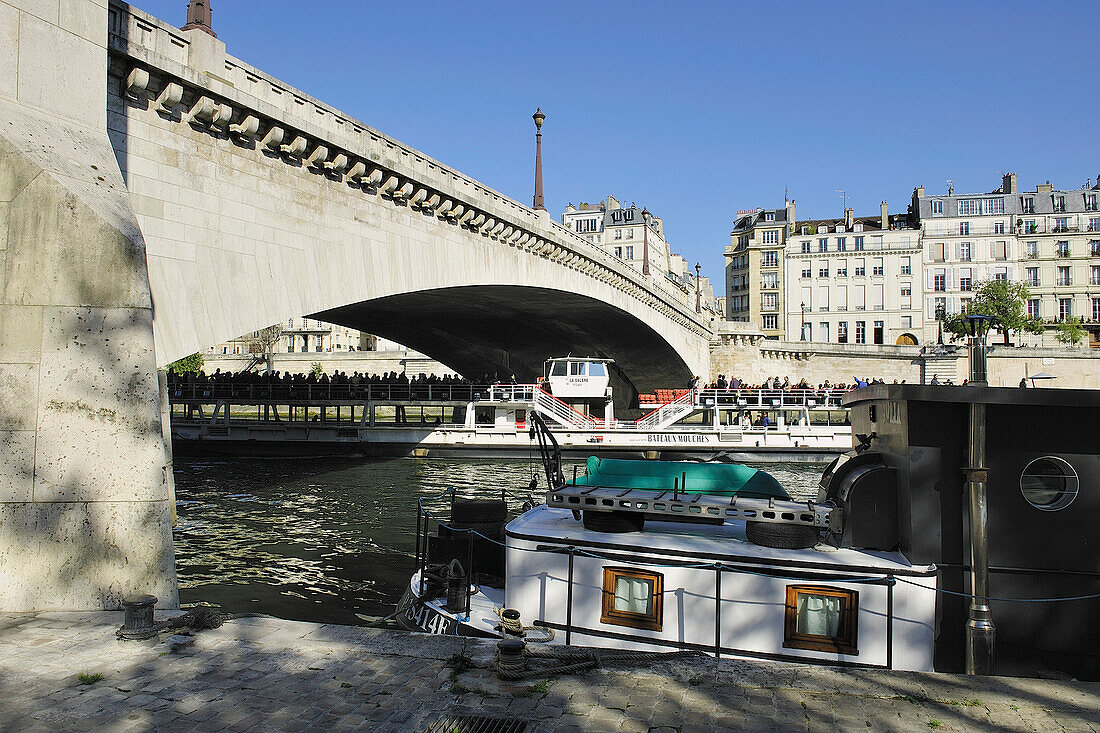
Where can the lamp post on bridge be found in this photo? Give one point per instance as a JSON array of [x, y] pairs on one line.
[[698, 301], [538, 117], [803, 322], [645, 241], [198, 17]]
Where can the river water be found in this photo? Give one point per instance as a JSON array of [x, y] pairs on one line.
[[330, 539]]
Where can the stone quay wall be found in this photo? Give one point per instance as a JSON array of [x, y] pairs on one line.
[[754, 360]]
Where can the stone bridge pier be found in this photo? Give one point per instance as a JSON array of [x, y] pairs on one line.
[[85, 511]]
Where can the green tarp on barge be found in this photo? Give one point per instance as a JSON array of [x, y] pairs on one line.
[[714, 479]]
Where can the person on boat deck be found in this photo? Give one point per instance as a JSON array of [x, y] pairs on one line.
[[860, 382], [763, 421], [694, 383], [722, 383], [935, 379], [735, 383], [1023, 383]]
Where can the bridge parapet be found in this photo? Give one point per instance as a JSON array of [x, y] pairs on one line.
[[187, 77]]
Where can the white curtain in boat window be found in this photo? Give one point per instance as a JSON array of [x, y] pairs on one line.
[[818, 615], [632, 595]]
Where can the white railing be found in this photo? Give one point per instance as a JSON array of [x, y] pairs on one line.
[[668, 413], [560, 412]]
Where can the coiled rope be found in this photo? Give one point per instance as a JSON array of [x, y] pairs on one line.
[[515, 627]]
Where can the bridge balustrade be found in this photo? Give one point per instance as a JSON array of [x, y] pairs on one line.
[[346, 392], [771, 399]]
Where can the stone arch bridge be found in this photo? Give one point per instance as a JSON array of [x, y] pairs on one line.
[[258, 203]]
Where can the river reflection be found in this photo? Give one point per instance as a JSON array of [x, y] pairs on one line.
[[330, 539]]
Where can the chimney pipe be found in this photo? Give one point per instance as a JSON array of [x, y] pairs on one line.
[[885, 212], [1008, 183]]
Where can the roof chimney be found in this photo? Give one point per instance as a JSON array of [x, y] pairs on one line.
[[1044, 188], [885, 215], [1008, 183], [790, 216], [849, 218], [920, 191], [198, 17]]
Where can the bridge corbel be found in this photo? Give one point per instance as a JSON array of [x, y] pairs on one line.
[[295, 148], [247, 128], [390, 184], [356, 173], [444, 207], [420, 195], [339, 164], [497, 229], [373, 178], [456, 212], [467, 217], [169, 98], [478, 221], [137, 82], [318, 157], [273, 140]]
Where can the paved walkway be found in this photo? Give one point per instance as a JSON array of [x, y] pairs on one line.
[[67, 672]]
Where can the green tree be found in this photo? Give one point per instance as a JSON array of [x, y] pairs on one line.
[[1002, 299], [1070, 332], [188, 364], [316, 369]]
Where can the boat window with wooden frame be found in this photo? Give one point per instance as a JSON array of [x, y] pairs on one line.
[[821, 619], [632, 597]]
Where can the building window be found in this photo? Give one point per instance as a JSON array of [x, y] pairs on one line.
[[1094, 275], [861, 270], [877, 268], [769, 280], [998, 227], [1094, 224], [769, 216], [618, 234], [939, 252], [1032, 249], [906, 266], [1063, 277], [937, 207], [1096, 309], [1029, 205], [965, 281], [619, 252], [1065, 308], [769, 259], [842, 271], [907, 291], [1090, 202], [771, 236], [964, 251], [842, 243], [823, 271], [824, 331], [941, 308], [880, 331], [821, 619], [1000, 251], [859, 244], [823, 244], [1033, 276], [805, 248], [807, 272], [1059, 203], [1094, 248], [907, 321], [939, 282], [632, 598], [1061, 249], [770, 323], [630, 234], [630, 253], [964, 228], [861, 332], [1061, 224], [1000, 274], [769, 301], [842, 332]]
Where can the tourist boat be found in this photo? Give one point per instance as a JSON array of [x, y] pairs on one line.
[[957, 535], [574, 397]]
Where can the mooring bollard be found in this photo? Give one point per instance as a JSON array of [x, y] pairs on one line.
[[510, 658], [138, 622]]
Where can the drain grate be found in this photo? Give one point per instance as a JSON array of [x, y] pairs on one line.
[[452, 723]]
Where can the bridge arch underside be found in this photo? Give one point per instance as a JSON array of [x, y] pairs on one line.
[[513, 329]]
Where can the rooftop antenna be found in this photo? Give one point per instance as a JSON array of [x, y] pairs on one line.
[[843, 198], [786, 195], [950, 186]]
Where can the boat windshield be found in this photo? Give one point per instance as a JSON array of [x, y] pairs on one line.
[[596, 369], [558, 369]]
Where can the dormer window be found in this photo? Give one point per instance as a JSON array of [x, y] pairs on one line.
[[1028, 204], [769, 216], [937, 207], [1059, 203], [805, 229], [857, 228]]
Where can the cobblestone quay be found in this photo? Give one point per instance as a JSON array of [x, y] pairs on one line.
[[67, 672]]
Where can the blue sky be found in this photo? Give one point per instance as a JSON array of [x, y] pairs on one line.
[[699, 109]]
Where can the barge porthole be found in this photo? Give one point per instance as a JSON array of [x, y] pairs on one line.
[[1049, 483]]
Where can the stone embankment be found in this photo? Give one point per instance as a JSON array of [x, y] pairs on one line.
[[67, 672]]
